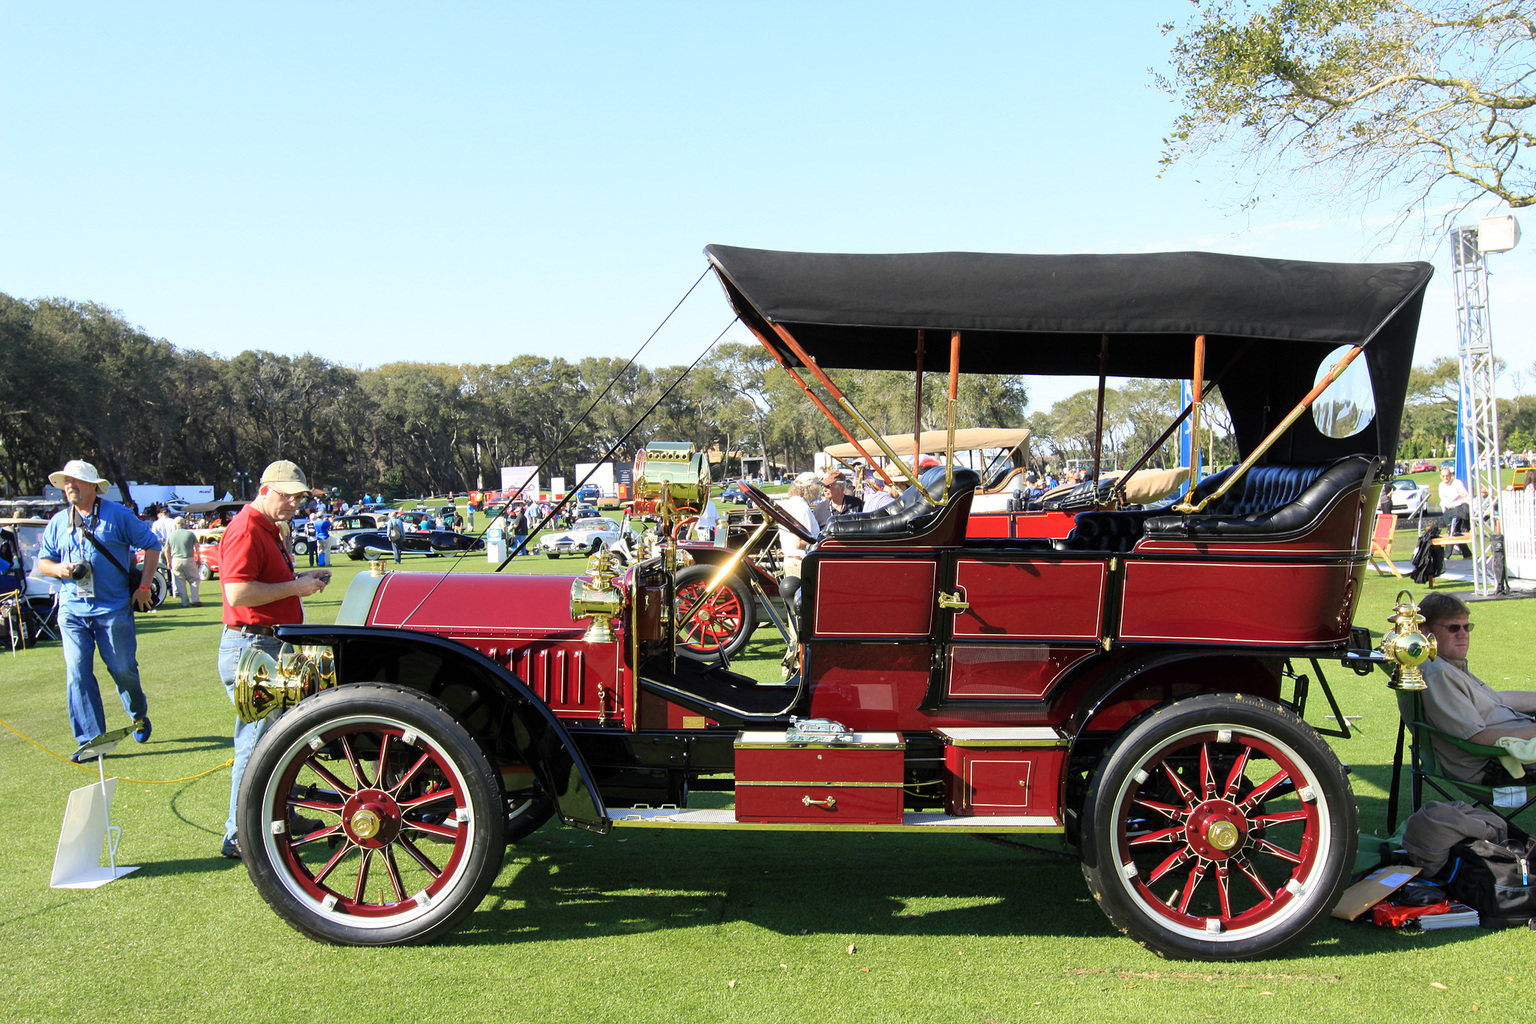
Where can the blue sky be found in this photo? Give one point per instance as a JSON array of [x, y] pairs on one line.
[[471, 182]]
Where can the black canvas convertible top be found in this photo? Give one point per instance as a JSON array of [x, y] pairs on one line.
[[1050, 314]]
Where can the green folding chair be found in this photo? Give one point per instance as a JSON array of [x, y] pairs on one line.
[[1425, 768]]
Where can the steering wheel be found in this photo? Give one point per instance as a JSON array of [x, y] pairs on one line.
[[766, 505]]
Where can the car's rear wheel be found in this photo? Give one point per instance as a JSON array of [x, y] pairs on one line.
[[300, 546], [204, 573], [413, 820], [720, 625], [1220, 827]]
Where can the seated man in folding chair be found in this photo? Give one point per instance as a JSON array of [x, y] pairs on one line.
[[1459, 703]]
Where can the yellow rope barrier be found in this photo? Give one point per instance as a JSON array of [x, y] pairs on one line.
[[141, 782]]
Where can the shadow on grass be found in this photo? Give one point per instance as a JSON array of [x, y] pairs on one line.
[[557, 887]]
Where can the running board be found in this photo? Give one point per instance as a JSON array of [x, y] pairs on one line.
[[911, 821]]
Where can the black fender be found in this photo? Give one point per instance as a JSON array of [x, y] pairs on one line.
[[493, 703], [1154, 668]]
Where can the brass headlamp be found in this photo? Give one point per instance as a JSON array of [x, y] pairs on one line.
[[1407, 644], [264, 684]]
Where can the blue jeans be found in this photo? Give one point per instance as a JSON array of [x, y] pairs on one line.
[[396, 545], [231, 645], [112, 634]]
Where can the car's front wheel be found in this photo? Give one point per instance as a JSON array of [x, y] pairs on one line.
[[720, 624], [300, 546], [412, 817], [1219, 827]]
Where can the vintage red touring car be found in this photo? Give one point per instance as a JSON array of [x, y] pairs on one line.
[[1123, 685]]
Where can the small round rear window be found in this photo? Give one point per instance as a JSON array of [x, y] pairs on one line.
[[1349, 404]]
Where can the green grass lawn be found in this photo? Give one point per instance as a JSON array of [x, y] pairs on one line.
[[660, 926]]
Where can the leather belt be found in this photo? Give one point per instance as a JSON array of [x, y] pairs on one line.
[[255, 630]]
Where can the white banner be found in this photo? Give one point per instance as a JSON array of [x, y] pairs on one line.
[[603, 478], [556, 488], [521, 480]]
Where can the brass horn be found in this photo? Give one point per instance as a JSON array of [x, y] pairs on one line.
[[264, 684]]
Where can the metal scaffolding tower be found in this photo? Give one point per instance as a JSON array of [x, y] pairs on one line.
[[1479, 411]]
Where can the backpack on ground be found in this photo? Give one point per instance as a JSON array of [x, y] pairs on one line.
[[1495, 879]]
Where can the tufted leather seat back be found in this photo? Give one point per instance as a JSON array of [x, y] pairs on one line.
[[1268, 502], [912, 516]]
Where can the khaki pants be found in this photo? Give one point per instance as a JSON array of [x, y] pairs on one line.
[[185, 573]]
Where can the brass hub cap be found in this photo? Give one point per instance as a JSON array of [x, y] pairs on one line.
[[371, 818], [1215, 829], [365, 823]]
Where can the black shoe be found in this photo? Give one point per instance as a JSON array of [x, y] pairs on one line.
[[81, 757], [301, 826], [231, 849]]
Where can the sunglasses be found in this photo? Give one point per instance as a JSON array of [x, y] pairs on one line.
[[1455, 627]]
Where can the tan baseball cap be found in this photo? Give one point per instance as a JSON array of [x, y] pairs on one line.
[[286, 477]]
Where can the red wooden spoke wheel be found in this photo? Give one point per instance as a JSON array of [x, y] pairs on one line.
[[412, 822], [722, 623], [1220, 827]]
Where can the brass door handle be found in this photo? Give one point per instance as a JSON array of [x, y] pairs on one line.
[[955, 601], [830, 803]]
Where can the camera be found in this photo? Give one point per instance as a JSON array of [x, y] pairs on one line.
[[79, 571]]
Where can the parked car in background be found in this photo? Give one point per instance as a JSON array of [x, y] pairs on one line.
[[1408, 497], [208, 552], [27, 609], [590, 492], [304, 533], [1423, 466], [734, 494], [374, 543], [583, 538]]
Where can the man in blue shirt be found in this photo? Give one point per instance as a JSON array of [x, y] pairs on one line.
[[95, 606], [322, 544]]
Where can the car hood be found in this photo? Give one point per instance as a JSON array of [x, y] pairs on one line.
[[468, 603]]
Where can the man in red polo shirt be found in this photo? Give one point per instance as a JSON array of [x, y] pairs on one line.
[[261, 591]]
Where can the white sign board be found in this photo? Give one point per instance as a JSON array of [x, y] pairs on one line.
[[557, 487], [521, 480], [603, 477]]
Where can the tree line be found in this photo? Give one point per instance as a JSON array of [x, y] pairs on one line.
[[77, 381]]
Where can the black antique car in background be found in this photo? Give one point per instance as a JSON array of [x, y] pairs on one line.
[[372, 543]]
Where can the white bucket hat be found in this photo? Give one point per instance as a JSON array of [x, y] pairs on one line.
[[80, 471]]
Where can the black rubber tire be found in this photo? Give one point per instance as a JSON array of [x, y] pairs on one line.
[[203, 572], [552, 554], [527, 814], [1131, 851], [161, 587], [281, 777], [300, 546], [732, 592]]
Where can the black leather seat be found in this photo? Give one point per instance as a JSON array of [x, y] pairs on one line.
[[1269, 502], [912, 516]]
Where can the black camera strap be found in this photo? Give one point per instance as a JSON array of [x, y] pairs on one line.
[[90, 535]]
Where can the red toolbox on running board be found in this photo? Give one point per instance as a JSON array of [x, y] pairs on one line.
[[853, 780], [1002, 771]]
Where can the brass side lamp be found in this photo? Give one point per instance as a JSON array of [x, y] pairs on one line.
[[1407, 644], [597, 598]]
